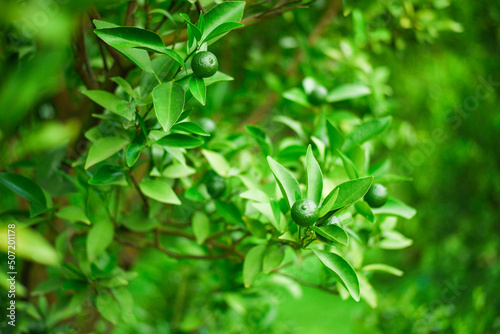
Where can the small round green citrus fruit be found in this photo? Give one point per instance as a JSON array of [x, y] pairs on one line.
[[318, 95], [304, 212], [376, 195], [216, 185], [204, 64], [330, 221]]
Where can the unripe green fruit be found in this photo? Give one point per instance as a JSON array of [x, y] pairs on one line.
[[376, 195], [318, 95], [204, 64], [330, 221], [304, 212], [215, 184]]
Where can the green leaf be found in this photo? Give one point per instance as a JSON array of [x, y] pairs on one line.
[[164, 69], [255, 195], [256, 228], [252, 265], [201, 226], [394, 207], [343, 271], [159, 190], [222, 29], [133, 152], [222, 13], [314, 177], [329, 202], [168, 99], [368, 294], [175, 56], [272, 258], [108, 101], [348, 166], [348, 92], [229, 211], [266, 209], [107, 175], [351, 191], [27, 189], [383, 268], [104, 148], [335, 137], [366, 131], [185, 17], [394, 240], [298, 96], [31, 245], [101, 233], [217, 77], [191, 128], [288, 184], [132, 37], [164, 13], [198, 89], [217, 161], [392, 178], [292, 124], [99, 24], [124, 85], [176, 171], [332, 232], [126, 109], [195, 32], [261, 138], [108, 307], [180, 140], [364, 209], [73, 213], [201, 21], [138, 57], [99, 238]]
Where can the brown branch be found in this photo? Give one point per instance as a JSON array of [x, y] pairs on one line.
[[136, 186], [200, 7], [117, 57], [129, 17], [82, 64], [325, 21]]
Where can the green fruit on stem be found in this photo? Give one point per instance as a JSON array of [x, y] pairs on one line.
[[215, 184], [376, 195], [304, 212], [330, 221], [318, 95], [204, 64]]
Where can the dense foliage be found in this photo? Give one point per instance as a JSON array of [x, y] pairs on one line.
[[243, 166]]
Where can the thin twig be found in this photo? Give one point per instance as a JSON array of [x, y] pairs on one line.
[[129, 17], [200, 7], [136, 186]]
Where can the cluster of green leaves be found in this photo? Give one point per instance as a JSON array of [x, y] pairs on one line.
[[143, 184]]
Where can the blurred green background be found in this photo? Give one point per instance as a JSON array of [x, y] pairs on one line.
[[435, 66]]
